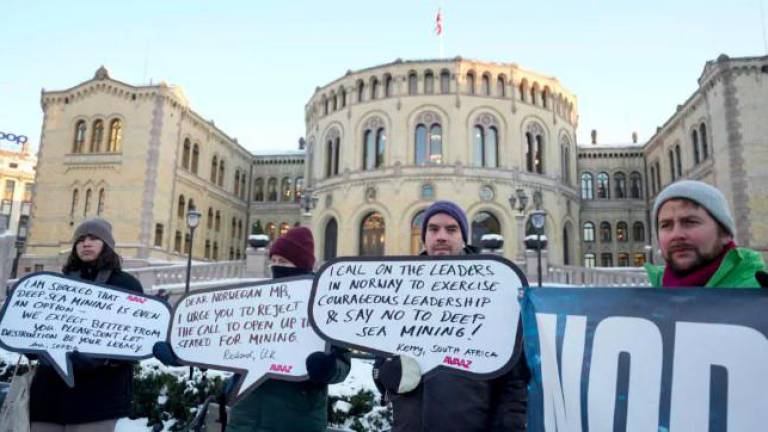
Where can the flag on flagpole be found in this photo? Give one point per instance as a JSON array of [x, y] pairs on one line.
[[439, 22]]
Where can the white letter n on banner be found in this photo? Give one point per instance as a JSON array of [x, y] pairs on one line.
[[561, 393], [743, 351]]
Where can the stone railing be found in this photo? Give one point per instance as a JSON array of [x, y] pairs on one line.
[[596, 277], [158, 276]]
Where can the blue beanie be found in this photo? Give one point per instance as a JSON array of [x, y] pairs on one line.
[[451, 209]]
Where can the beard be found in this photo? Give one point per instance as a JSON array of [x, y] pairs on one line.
[[700, 259]]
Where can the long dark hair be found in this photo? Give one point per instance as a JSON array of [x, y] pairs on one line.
[[108, 259]]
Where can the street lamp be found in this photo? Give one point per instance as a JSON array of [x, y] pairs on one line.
[[649, 253], [308, 202], [538, 218], [193, 220], [521, 198]]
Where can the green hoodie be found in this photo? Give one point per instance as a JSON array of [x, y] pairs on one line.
[[736, 271]]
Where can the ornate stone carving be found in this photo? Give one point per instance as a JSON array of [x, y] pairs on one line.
[[429, 118]]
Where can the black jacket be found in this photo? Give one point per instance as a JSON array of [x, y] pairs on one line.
[[445, 402], [103, 389]]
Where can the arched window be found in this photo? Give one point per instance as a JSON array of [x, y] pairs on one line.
[[388, 90], [100, 203], [412, 83], [207, 251], [299, 189], [501, 88], [214, 168], [678, 161], [87, 207], [545, 97], [620, 181], [704, 146], [286, 189], [237, 181], [638, 232], [334, 101], [606, 259], [567, 244], [258, 189], [565, 158], [603, 186], [374, 143], [177, 242], [587, 186], [360, 91], [522, 90], [588, 232], [233, 230], [217, 221], [187, 243], [470, 83], [672, 164], [79, 141], [621, 232], [180, 207], [209, 221], [190, 205], [374, 88], [372, 232], [331, 235], [75, 198], [695, 145], [326, 105], [342, 97], [429, 82], [416, 232], [534, 156], [589, 260], [215, 250], [486, 146], [445, 82], [654, 188], [484, 223], [242, 186], [185, 154], [486, 84], [97, 136], [429, 141], [221, 173], [635, 185], [272, 189], [115, 136], [195, 157], [605, 232]]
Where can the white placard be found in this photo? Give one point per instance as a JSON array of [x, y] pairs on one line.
[[460, 313], [258, 329], [51, 315]]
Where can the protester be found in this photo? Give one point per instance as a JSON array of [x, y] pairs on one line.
[[103, 388], [446, 402], [695, 231], [276, 405]]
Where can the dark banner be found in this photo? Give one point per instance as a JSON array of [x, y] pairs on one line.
[[642, 359]]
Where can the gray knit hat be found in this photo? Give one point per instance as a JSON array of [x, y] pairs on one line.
[[702, 194], [96, 227]]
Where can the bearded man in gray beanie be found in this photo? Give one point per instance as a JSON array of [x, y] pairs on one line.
[[446, 402], [695, 231]]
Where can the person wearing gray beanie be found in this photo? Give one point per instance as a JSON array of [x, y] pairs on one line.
[[695, 231]]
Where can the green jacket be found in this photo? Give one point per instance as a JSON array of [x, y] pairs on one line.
[[736, 271], [283, 406]]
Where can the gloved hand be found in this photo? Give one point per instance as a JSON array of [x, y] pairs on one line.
[[163, 352], [762, 278], [229, 386], [321, 366], [399, 374]]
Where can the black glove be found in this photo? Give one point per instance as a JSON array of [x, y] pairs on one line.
[[399, 374], [762, 278], [80, 361], [321, 366], [163, 352], [229, 386]]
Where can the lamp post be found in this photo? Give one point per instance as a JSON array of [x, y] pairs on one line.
[[649, 253], [519, 202], [193, 220], [538, 218], [308, 202]]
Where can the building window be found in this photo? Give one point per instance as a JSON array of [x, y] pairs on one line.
[[704, 145], [534, 150], [209, 220], [258, 189], [587, 186], [243, 192], [187, 243], [97, 136], [272, 189], [372, 232], [620, 182], [678, 161], [374, 142], [10, 187], [215, 250], [672, 164], [429, 146], [237, 182], [565, 157], [159, 235], [87, 207], [221, 173], [360, 91], [639, 259], [412, 83], [695, 145], [79, 142], [486, 146], [606, 259], [500, 87], [388, 86], [286, 189], [658, 174], [470, 83], [374, 88], [635, 185], [299, 189], [484, 223], [603, 189], [589, 232], [185, 154], [343, 97], [115, 136], [654, 188], [416, 232], [214, 168], [195, 157], [180, 207], [621, 232], [429, 82], [177, 242], [75, 196], [100, 203], [605, 232], [623, 259], [207, 250], [332, 154], [638, 232], [486, 84], [445, 82], [217, 221], [589, 260]]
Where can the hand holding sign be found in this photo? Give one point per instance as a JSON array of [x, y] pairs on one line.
[[456, 312], [259, 329], [53, 315]]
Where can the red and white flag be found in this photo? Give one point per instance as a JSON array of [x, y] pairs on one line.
[[439, 22]]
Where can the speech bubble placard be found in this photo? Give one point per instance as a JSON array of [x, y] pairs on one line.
[[458, 312], [260, 330], [51, 315]]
